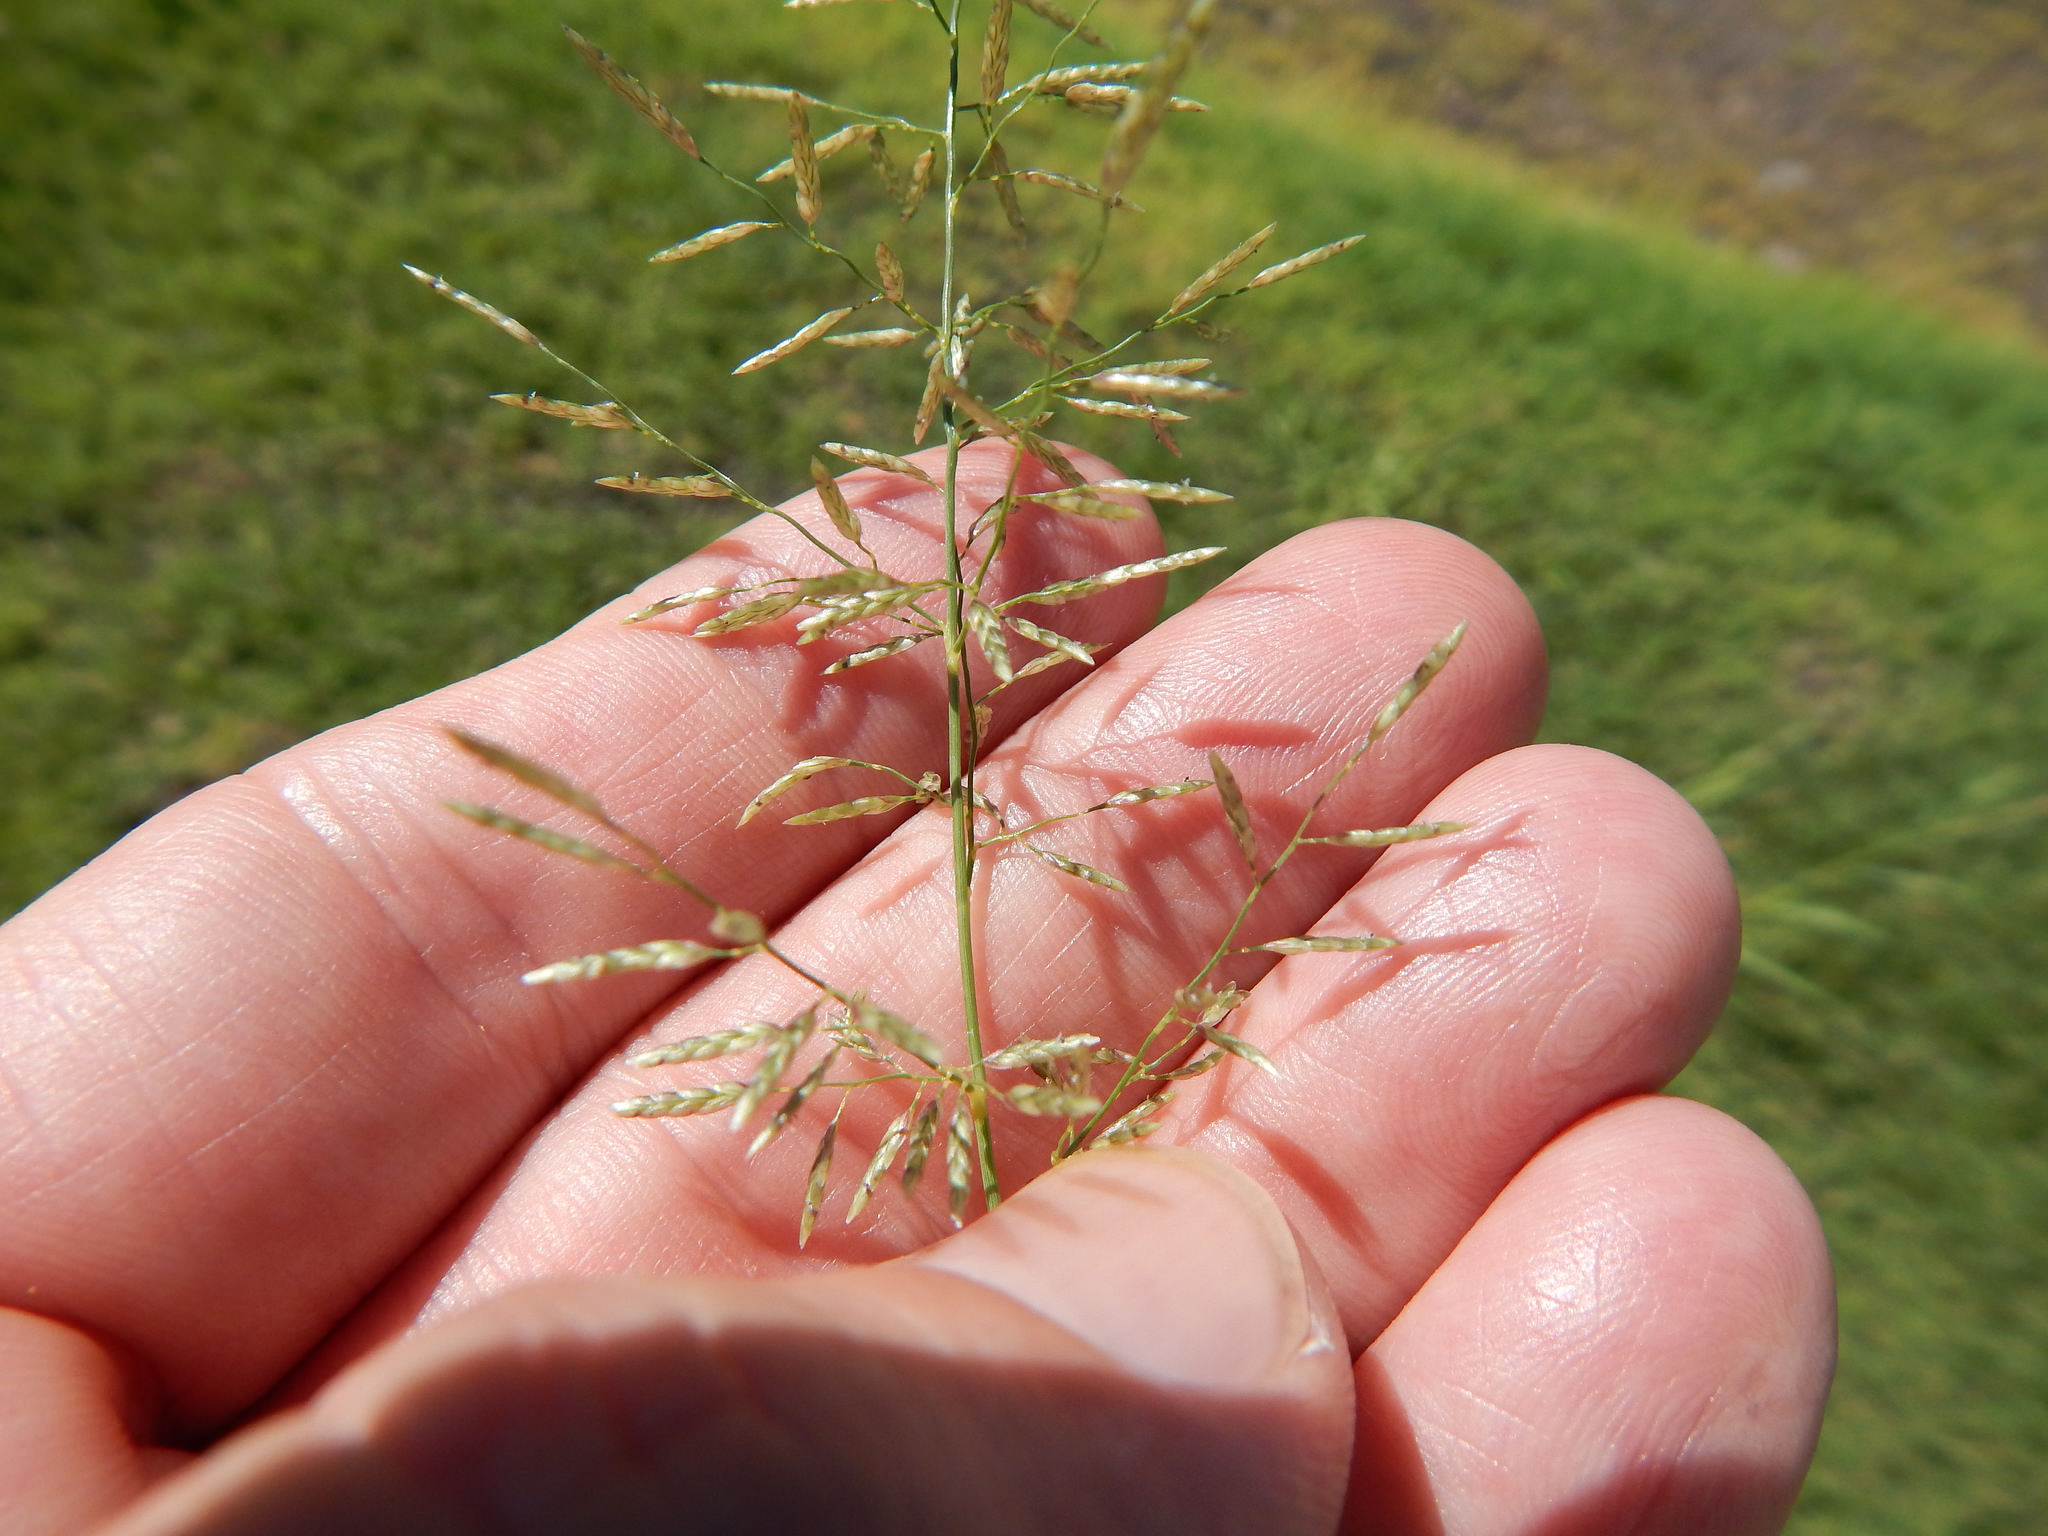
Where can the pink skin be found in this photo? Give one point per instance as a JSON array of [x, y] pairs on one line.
[[267, 1080]]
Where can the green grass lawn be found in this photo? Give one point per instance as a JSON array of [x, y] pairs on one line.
[[1787, 539]]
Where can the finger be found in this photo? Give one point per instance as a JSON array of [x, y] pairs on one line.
[[1132, 1345], [1637, 1336], [283, 1021], [1572, 947], [1281, 668]]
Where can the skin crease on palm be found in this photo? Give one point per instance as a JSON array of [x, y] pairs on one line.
[[284, 1144]]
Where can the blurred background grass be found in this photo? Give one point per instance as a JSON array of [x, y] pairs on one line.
[[1785, 530]]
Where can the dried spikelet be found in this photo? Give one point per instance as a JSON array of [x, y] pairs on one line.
[[885, 166], [1143, 113], [843, 517], [875, 653], [867, 805], [1316, 257], [959, 1159], [1234, 809], [1212, 279], [1080, 188], [1055, 82], [1019, 1055], [793, 1105], [1137, 1123], [658, 955], [1070, 650], [796, 343], [606, 413], [735, 925], [541, 837], [1243, 1050], [823, 150], [1064, 22], [987, 630], [1387, 836], [1150, 793], [920, 183], [1054, 299], [1196, 1068], [710, 240], [898, 1031], [474, 305], [890, 271], [546, 780], [934, 396], [1125, 408], [878, 1166], [683, 1101], [680, 600], [635, 94], [920, 1146], [1078, 870], [821, 1175], [976, 410], [708, 487], [761, 610], [1177, 491], [1328, 944], [1159, 386], [893, 337], [1053, 1101], [1084, 503], [724, 1042], [995, 53], [1117, 575], [1005, 181], [874, 458]]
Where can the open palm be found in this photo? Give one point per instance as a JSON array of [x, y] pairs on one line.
[[272, 1098]]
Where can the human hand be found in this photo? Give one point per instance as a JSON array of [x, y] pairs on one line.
[[268, 1078]]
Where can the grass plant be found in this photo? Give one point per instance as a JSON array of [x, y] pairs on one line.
[[1785, 536]]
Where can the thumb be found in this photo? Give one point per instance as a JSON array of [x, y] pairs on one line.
[[1133, 1343]]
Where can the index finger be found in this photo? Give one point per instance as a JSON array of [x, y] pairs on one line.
[[255, 1052]]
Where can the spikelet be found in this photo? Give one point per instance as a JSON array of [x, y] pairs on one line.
[[1235, 810], [1137, 1123], [724, 1042], [995, 53], [1244, 1050], [1151, 792], [804, 156], [541, 837], [794, 1104], [1080, 188], [898, 1031], [919, 1146], [1056, 82], [1212, 279], [1117, 575], [844, 519], [680, 600], [606, 413], [1159, 386], [642, 100], [1019, 1055], [796, 343], [1078, 870], [959, 1160], [823, 150], [1176, 491], [710, 240], [987, 630], [920, 183], [1069, 650], [1388, 836], [1084, 502], [1050, 1099], [474, 305], [890, 271], [896, 336], [1131, 410], [1307, 259], [528, 772], [878, 1166], [684, 1101], [1064, 22], [874, 458], [1146, 109], [1328, 944], [705, 486], [875, 653], [821, 1175], [867, 805], [657, 955]]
